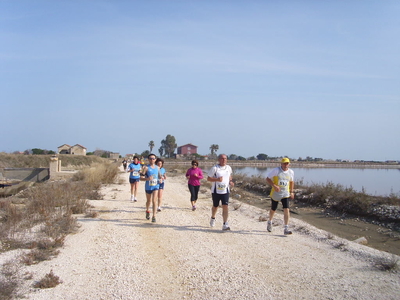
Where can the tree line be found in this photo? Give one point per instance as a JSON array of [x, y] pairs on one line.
[[169, 145]]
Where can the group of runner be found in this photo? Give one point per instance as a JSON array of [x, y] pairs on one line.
[[154, 174], [281, 179]]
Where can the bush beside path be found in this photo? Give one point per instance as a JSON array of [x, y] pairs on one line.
[[121, 255]]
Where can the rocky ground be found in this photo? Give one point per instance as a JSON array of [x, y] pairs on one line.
[[121, 255]]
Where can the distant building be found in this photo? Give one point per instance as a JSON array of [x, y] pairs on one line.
[[73, 150], [114, 155], [64, 149], [187, 149]]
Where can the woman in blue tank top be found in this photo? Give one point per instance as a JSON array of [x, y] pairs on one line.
[[151, 172]]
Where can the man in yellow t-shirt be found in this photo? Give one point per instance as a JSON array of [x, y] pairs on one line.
[[281, 179]]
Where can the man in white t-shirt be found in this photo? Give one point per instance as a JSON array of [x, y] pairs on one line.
[[281, 179], [221, 177]]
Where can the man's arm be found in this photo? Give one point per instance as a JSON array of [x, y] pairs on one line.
[[213, 179], [291, 189], [274, 186], [144, 171]]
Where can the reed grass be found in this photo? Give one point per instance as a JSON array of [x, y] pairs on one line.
[[42, 161]]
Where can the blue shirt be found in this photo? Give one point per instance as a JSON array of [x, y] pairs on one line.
[[136, 170], [152, 185]]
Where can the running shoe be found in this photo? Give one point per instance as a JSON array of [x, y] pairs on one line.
[[194, 207], [226, 226], [147, 215], [159, 209], [153, 219], [269, 226], [212, 222], [135, 200], [287, 231], [132, 197]]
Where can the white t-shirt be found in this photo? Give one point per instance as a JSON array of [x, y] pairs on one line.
[[216, 172], [281, 178]]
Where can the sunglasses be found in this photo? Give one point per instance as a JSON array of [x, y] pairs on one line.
[[194, 164]]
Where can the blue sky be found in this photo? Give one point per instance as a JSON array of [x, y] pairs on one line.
[[295, 78]]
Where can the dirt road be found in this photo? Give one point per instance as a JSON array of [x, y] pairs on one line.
[[121, 255]]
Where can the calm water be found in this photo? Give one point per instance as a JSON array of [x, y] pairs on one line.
[[379, 182]]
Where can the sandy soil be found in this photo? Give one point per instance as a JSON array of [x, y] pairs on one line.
[[121, 255]]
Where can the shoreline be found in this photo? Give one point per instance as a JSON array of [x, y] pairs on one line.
[[293, 164]]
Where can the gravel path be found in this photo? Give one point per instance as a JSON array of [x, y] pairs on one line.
[[121, 255]]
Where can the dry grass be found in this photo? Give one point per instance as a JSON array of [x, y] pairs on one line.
[[9, 280], [343, 246], [91, 214], [43, 161], [40, 217], [98, 173], [48, 281]]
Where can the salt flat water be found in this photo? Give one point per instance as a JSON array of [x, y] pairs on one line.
[[377, 182]]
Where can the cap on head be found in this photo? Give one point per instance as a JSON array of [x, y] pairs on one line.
[[285, 160]]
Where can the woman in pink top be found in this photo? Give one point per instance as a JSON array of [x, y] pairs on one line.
[[194, 174]]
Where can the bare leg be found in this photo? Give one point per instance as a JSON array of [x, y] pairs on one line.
[[214, 211], [132, 188], [153, 199], [225, 213], [136, 186], [160, 195], [148, 200], [286, 215], [271, 214]]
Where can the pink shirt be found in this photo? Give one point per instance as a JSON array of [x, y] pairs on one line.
[[193, 180]]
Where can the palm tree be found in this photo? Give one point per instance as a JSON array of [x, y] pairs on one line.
[[151, 145], [214, 148]]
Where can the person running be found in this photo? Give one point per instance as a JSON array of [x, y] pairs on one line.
[[281, 179], [124, 164], [160, 164], [134, 177], [194, 174], [221, 177], [142, 162], [151, 176]]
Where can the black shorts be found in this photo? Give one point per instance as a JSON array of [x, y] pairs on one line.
[[133, 180], [150, 191], [274, 204], [223, 198]]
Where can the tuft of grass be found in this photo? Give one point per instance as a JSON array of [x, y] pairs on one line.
[[388, 264], [330, 236], [303, 229], [341, 246], [36, 256], [263, 219], [42, 250], [91, 214], [9, 280], [48, 281]]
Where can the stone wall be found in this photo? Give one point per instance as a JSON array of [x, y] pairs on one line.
[[27, 174]]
